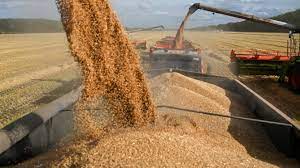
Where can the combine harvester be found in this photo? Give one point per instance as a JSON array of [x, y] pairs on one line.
[[40, 130], [164, 55], [255, 62], [138, 44], [177, 53]]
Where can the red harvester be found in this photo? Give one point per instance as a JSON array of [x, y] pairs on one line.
[[255, 62], [177, 53]]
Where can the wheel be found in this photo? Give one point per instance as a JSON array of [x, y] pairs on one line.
[[203, 68], [294, 78], [144, 46], [234, 68]]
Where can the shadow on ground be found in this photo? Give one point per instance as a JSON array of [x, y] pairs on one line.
[[66, 87]]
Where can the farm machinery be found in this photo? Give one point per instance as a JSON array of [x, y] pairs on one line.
[[142, 44], [164, 55], [176, 53], [257, 62]]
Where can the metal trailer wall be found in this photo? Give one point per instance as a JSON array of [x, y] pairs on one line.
[[286, 138], [38, 131]]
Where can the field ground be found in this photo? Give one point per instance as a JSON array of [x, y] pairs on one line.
[[37, 68]]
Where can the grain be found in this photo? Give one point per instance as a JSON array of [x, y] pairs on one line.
[[109, 64], [178, 138], [179, 39], [114, 84]]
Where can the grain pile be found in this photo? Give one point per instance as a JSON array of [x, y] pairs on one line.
[[179, 138], [109, 64]]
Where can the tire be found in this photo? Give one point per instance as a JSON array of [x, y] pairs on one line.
[[234, 68], [294, 78]]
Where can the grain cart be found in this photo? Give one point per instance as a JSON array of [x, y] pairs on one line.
[[142, 44], [255, 62]]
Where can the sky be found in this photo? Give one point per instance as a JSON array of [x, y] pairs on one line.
[[143, 13]]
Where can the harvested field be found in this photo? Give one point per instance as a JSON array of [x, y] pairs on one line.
[[180, 138], [224, 42], [29, 96], [35, 69], [24, 54]]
